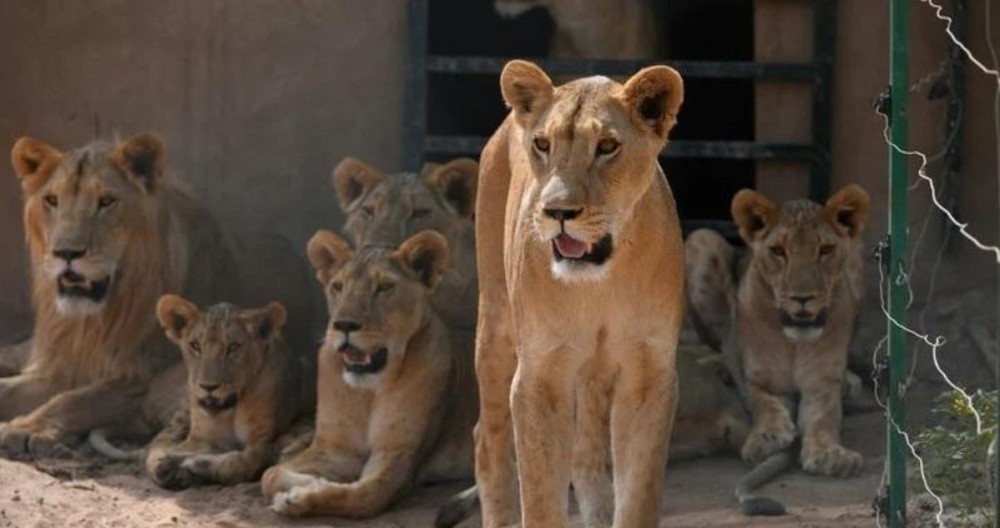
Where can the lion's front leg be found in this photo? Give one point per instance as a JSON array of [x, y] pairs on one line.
[[20, 395], [772, 429], [319, 463], [542, 404], [819, 417], [69, 414], [642, 418], [231, 467], [591, 478]]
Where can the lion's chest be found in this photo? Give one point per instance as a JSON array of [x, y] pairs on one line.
[[225, 431]]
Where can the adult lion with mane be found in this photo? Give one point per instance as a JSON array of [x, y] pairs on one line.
[[108, 232], [785, 318], [581, 299]]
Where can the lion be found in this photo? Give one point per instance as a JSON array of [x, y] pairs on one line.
[[386, 388], [711, 419], [581, 299], [786, 321], [108, 231], [245, 389], [595, 29], [385, 209]]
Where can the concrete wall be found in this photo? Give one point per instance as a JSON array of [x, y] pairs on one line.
[[257, 99]]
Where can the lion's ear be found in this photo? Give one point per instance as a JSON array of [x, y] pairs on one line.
[[176, 315], [262, 323], [33, 162], [848, 210], [526, 89], [654, 97], [143, 157], [456, 182], [754, 214], [352, 178], [327, 254], [426, 254]]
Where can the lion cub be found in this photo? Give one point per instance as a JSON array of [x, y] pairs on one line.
[[387, 379], [245, 387]]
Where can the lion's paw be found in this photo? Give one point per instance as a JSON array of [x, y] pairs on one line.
[[24, 438], [199, 465], [170, 473], [831, 460], [292, 503], [763, 443]]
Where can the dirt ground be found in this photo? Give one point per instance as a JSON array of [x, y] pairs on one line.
[[90, 493]]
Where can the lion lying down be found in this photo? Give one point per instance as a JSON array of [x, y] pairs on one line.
[[245, 387], [387, 379]]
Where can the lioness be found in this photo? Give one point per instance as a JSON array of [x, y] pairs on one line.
[[245, 388], [383, 210], [581, 298], [108, 232], [795, 307], [387, 383]]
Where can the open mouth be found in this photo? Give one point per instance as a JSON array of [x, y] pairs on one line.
[[358, 361], [565, 247], [72, 284], [216, 405], [803, 320]]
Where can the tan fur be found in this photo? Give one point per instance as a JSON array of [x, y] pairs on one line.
[[595, 29], [237, 355], [554, 335], [91, 362], [379, 431], [795, 309], [383, 210]]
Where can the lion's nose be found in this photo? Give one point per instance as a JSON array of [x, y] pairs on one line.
[[69, 254], [208, 387], [346, 325], [802, 299], [562, 214]]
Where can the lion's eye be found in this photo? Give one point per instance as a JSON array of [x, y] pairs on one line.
[[195, 346], [384, 287], [106, 201], [826, 249], [777, 251], [51, 200], [368, 210], [420, 213], [338, 286], [541, 145], [233, 347], [607, 146]]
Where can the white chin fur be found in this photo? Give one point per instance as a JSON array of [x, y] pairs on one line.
[[362, 381], [512, 9], [568, 271], [77, 307], [802, 334]]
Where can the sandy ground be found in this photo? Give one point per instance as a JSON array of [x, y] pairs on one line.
[[88, 492]]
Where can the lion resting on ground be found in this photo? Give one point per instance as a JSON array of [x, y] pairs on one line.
[[244, 389], [387, 383], [108, 233], [581, 299], [795, 307]]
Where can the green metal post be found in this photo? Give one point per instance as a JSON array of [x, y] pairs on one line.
[[899, 89]]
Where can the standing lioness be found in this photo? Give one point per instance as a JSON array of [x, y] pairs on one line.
[[581, 297]]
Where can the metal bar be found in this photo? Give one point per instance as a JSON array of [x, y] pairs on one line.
[[415, 102], [675, 149], [459, 65], [825, 47], [898, 122]]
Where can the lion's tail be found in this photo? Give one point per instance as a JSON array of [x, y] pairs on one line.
[[757, 477], [458, 508], [98, 439]]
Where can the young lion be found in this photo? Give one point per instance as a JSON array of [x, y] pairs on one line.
[[387, 381], [244, 389], [795, 308], [581, 299]]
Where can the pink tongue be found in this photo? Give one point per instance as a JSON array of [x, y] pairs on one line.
[[570, 247], [353, 355]]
